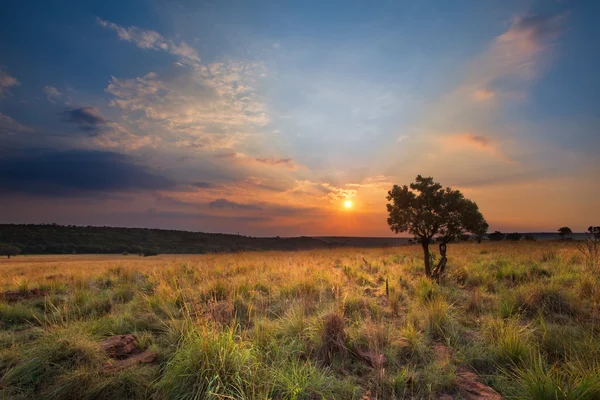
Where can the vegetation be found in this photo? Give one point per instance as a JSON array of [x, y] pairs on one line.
[[521, 317], [515, 236], [496, 236], [590, 248], [8, 250], [427, 210], [59, 239], [564, 230]]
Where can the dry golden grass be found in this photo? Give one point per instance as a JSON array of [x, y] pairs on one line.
[[307, 324]]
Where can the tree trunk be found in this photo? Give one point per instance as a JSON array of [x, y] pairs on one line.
[[426, 258], [439, 269], [8, 255]]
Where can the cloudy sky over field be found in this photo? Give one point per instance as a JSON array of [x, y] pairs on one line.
[[263, 117]]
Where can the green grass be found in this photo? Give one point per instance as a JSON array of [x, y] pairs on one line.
[[305, 325]]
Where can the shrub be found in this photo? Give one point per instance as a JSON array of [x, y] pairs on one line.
[[333, 336], [209, 365], [496, 236], [514, 236], [436, 318]]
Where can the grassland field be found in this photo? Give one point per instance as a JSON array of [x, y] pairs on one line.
[[524, 317]]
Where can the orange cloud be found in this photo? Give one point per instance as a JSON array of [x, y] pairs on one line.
[[483, 95], [481, 143]]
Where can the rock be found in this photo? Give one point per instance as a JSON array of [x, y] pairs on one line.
[[120, 346], [125, 353], [145, 357]]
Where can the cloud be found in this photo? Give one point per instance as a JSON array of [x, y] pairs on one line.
[[87, 116], [375, 182], [146, 39], [52, 94], [529, 177], [193, 105], [516, 52], [287, 162], [152, 212], [317, 189], [481, 143], [6, 82], [76, 172], [211, 107], [268, 161], [203, 185], [10, 126], [527, 34], [483, 95], [224, 203], [112, 135]]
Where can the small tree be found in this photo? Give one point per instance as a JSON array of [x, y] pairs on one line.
[[497, 236], [425, 209], [8, 250], [564, 230], [514, 236]]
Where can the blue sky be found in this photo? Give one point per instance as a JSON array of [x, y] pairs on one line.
[[263, 117]]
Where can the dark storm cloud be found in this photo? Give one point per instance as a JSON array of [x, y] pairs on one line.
[[75, 172], [203, 185], [224, 203], [86, 116], [153, 212]]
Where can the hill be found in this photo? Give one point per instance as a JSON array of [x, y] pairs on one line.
[[60, 239]]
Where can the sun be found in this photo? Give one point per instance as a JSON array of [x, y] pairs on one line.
[[348, 204]]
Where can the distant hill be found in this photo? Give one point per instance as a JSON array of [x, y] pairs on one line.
[[59, 239]]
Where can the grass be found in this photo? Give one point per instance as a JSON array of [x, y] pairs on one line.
[[305, 325]]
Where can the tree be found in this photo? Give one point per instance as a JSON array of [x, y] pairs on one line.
[[564, 230], [497, 236], [8, 250], [514, 236], [425, 210]]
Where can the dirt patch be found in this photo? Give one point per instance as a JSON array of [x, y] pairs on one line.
[[124, 351], [19, 295], [467, 382], [471, 389], [442, 353]]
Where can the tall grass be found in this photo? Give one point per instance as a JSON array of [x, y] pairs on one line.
[[305, 325]]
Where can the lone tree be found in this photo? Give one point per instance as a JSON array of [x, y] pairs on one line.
[[426, 210], [8, 250], [564, 230]]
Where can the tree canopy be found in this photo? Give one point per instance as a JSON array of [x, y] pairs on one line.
[[426, 210], [564, 230], [9, 250]]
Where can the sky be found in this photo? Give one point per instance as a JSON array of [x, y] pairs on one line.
[[265, 117]]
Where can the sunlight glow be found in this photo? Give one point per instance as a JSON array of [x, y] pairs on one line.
[[348, 204]]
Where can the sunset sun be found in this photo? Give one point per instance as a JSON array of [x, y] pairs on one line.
[[348, 204]]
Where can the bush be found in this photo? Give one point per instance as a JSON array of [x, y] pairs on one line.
[[496, 236], [515, 237]]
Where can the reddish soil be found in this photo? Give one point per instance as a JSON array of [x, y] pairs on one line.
[[124, 351]]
